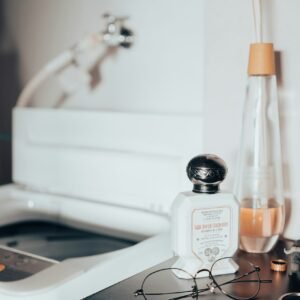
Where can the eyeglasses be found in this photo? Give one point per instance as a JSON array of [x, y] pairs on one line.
[[242, 284]]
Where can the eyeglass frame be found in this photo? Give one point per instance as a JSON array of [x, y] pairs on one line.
[[194, 293]]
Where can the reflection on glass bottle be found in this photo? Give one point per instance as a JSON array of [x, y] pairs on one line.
[[259, 179]]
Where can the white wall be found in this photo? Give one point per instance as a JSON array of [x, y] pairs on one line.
[[189, 57], [162, 72]]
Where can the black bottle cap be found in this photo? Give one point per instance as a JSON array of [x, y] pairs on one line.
[[206, 172]]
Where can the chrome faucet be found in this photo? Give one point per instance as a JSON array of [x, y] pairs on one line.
[[116, 33]]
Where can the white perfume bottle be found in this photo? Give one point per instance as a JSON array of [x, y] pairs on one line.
[[205, 221]]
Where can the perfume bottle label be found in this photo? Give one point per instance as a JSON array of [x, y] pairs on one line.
[[210, 233]]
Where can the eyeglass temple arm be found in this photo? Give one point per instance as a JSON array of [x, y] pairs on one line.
[[257, 269], [265, 281], [193, 294], [236, 280]]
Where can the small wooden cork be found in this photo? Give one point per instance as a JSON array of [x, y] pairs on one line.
[[261, 59]]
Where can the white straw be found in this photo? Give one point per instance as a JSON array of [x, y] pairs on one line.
[[257, 19]]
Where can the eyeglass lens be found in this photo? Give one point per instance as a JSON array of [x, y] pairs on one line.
[[164, 284], [242, 280]]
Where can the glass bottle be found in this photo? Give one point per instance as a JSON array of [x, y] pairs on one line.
[[258, 185]]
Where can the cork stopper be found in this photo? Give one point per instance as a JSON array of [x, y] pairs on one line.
[[261, 59]]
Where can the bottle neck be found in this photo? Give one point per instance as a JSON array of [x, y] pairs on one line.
[[262, 89], [206, 189]]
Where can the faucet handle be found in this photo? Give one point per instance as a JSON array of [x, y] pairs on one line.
[[116, 33]]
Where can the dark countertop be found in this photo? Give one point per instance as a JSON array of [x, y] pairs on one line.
[[281, 281]]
